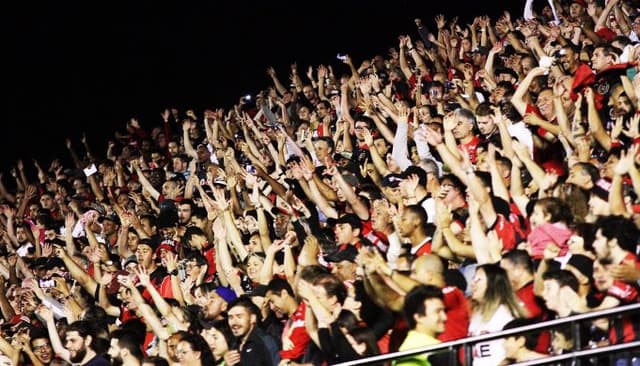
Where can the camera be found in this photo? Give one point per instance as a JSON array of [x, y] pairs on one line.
[[48, 283], [247, 98]]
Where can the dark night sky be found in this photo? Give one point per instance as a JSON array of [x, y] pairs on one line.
[[88, 67]]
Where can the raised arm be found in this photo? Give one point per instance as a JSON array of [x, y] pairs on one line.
[[358, 207], [518, 99], [400, 152], [46, 316], [276, 82], [146, 184], [595, 123]]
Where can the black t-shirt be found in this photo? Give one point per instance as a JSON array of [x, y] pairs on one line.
[[97, 361]]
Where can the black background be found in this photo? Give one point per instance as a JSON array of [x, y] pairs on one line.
[[72, 68]]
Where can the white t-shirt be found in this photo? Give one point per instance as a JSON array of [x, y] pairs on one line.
[[489, 353]]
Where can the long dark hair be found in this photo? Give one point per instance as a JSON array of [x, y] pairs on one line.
[[198, 344], [366, 336]]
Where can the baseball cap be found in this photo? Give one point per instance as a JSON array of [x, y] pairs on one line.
[[605, 32], [259, 290], [349, 253], [169, 245], [167, 204], [392, 180], [481, 50], [226, 293], [114, 286], [582, 263], [130, 259], [111, 217], [351, 219], [351, 179]]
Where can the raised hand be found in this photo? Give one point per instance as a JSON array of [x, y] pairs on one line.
[[440, 21], [106, 279], [434, 138], [626, 161], [171, 261], [143, 276], [47, 249], [44, 313], [633, 132], [548, 181]]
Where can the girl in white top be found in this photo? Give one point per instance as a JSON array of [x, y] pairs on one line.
[[493, 305]]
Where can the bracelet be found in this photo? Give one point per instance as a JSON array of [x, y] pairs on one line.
[[410, 49], [379, 92]]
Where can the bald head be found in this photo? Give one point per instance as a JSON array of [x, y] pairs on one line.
[[428, 269]]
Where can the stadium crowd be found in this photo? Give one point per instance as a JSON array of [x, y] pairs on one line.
[[476, 178]]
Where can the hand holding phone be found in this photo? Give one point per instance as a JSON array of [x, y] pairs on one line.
[[48, 283], [90, 170]]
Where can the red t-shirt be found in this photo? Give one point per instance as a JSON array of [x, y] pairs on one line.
[[536, 310], [210, 254], [631, 257], [471, 148], [626, 328], [163, 286], [530, 301], [296, 333], [458, 314], [425, 248], [506, 232]]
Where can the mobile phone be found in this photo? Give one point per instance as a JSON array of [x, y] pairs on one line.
[[341, 57], [250, 169], [90, 170], [47, 283]]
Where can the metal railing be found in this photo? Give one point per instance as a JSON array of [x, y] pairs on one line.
[[468, 342]]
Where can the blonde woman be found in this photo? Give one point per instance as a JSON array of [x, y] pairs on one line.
[[493, 305]]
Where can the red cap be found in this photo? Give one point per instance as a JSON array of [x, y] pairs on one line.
[[166, 246], [605, 32]]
